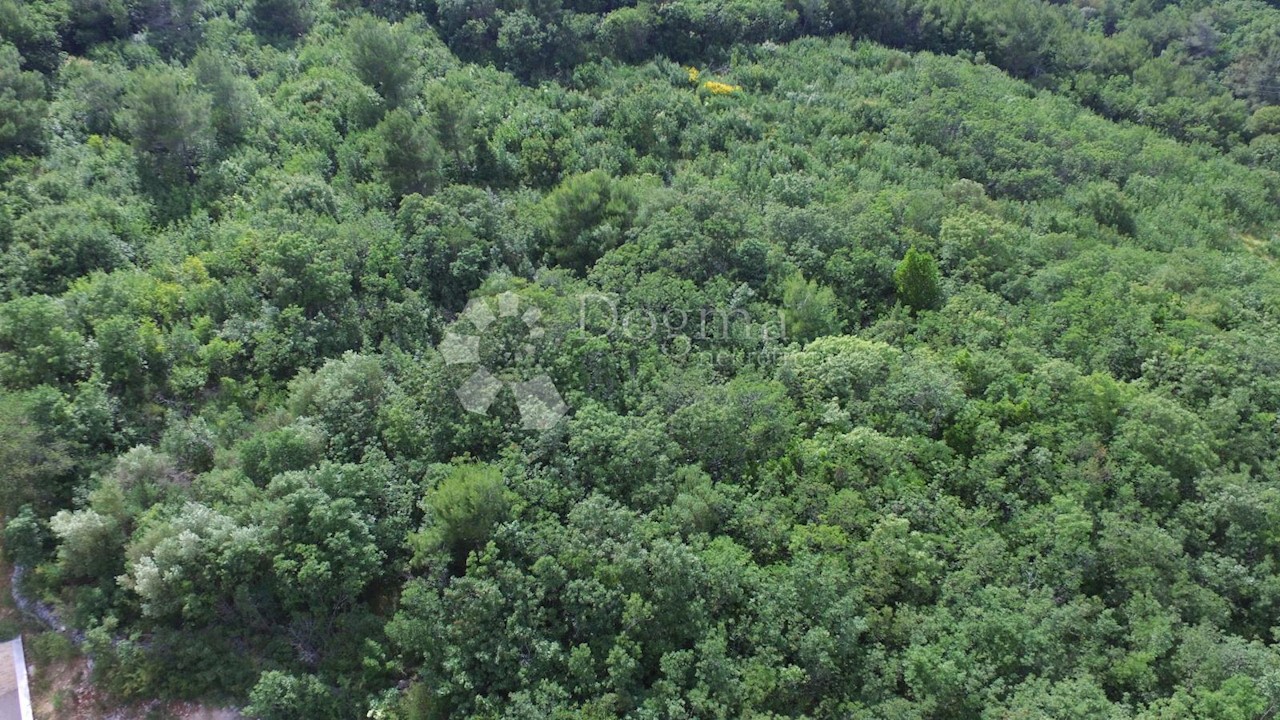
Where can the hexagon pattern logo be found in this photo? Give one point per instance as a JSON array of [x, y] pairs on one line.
[[537, 398]]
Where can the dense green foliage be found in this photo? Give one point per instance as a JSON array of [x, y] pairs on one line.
[[918, 357]]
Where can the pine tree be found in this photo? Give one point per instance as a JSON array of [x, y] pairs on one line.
[[917, 281]]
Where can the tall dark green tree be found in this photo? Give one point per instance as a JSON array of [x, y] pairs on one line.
[[281, 20], [233, 99], [382, 57], [586, 216], [170, 123], [22, 104], [917, 281], [408, 153]]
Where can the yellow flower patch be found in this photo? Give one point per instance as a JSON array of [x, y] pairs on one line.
[[719, 88]]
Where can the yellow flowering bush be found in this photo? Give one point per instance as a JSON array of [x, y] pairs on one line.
[[712, 86], [719, 88]]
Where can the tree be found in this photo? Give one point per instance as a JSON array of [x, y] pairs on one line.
[[408, 154], [182, 568], [462, 512], [734, 429], [89, 545], [382, 56], [22, 104], [621, 455], [343, 398], [170, 124], [586, 216], [976, 247], [145, 477], [322, 550], [810, 309], [130, 354], [293, 447], [92, 94], [1253, 75], [1265, 120], [451, 241], [37, 344], [173, 27], [191, 443], [33, 28], [624, 33], [1110, 207], [524, 43], [37, 463], [56, 243], [282, 696], [916, 280], [455, 120], [97, 21], [24, 538], [281, 20], [232, 96]]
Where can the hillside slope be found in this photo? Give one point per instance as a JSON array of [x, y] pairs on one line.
[[805, 377]]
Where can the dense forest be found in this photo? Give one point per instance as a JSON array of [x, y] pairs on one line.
[[415, 359]]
